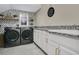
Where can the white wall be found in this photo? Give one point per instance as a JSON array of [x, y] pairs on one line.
[[64, 15]]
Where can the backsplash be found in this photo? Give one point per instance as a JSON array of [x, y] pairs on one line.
[[9, 23]]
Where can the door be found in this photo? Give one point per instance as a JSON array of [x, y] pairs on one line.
[[11, 36], [27, 34]]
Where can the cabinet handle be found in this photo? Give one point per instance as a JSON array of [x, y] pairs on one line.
[[56, 51]]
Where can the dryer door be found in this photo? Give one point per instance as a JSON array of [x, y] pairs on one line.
[[26, 34], [11, 36]]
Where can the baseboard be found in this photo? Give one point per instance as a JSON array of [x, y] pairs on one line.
[[41, 49]]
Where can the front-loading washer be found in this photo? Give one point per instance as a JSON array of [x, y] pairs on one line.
[[26, 35], [11, 36]]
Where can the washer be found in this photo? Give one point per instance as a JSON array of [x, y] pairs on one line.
[[11, 36], [26, 35]]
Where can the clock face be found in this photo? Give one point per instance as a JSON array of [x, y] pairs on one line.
[[50, 11]]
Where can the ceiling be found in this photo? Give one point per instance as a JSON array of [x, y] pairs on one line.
[[23, 7]]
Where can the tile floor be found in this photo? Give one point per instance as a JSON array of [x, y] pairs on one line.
[[28, 49]]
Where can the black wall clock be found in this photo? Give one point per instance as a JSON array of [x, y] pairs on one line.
[[50, 11]]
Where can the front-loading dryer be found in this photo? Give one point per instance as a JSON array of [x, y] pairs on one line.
[[26, 35], [11, 36]]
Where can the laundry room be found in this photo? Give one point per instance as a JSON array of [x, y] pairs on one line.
[[39, 29]]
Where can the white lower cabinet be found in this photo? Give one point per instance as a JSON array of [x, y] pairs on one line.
[[41, 38], [36, 36], [66, 51], [54, 44], [71, 43], [52, 48]]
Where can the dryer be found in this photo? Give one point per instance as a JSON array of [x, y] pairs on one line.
[[26, 35], [11, 36]]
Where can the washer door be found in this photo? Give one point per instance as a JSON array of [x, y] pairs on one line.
[[11, 36], [26, 34]]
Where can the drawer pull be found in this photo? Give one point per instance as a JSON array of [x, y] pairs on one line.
[[56, 51]]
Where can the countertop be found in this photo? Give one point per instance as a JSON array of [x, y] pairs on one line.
[[70, 33]]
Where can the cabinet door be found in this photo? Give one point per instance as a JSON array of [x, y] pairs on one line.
[[71, 43], [36, 36], [66, 51], [42, 36], [52, 48], [39, 38], [44, 40], [52, 45]]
